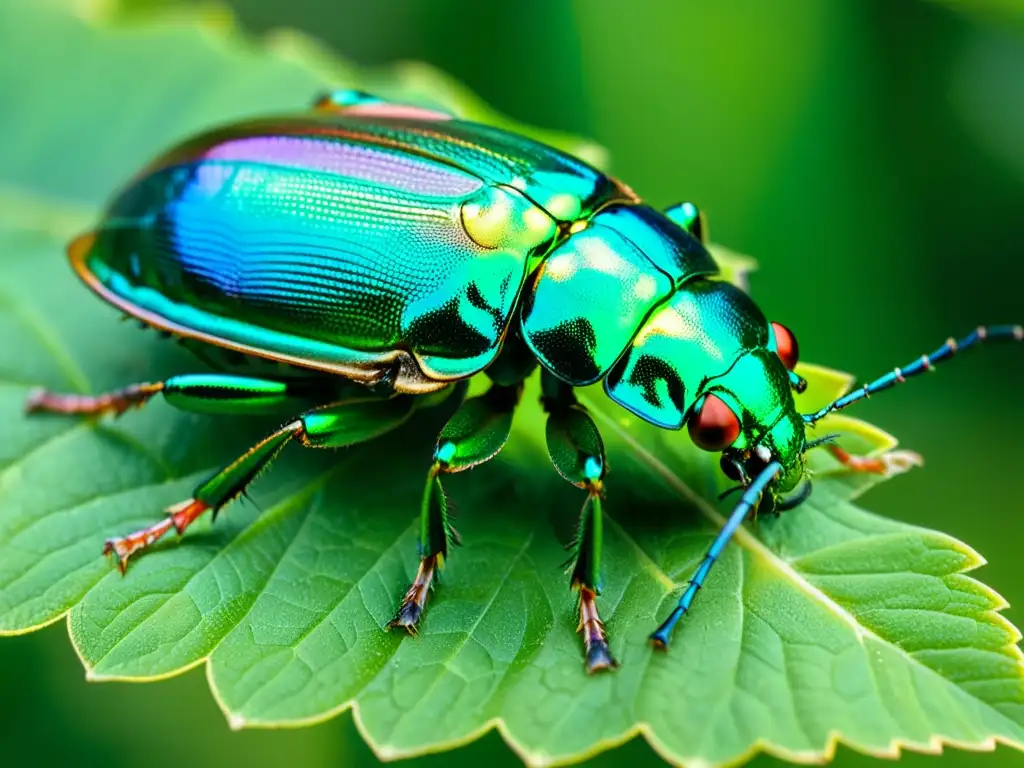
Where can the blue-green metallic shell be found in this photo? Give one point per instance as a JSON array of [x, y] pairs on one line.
[[696, 336], [359, 245], [710, 338], [387, 242], [593, 293]]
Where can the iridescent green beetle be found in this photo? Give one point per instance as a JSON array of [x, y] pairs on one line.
[[406, 250]]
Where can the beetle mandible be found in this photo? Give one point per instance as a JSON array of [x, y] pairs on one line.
[[407, 250]]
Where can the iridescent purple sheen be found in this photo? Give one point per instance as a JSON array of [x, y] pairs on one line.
[[342, 242], [374, 165]]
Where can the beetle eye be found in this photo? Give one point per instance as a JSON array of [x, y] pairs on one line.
[[731, 469], [714, 426], [786, 346]]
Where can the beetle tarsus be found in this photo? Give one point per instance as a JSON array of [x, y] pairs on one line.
[[116, 402], [408, 617], [180, 516], [662, 636], [415, 598], [888, 464], [124, 547], [599, 656]]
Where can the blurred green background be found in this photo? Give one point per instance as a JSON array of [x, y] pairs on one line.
[[870, 154]]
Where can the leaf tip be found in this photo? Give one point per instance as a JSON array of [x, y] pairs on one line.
[[236, 722], [972, 558]]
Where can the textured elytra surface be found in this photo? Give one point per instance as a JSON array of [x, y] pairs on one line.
[[333, 238], [826, 623]]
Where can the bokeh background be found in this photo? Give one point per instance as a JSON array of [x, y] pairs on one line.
[[870, 154]]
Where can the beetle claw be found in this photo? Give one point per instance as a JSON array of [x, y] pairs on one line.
[[179, 517], [415, 598], [407, 618], [121, 549], [898, 462], [888, 464], [599, 657]]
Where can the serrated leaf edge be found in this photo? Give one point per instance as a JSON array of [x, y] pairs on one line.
[[744, 538], [288, 44]]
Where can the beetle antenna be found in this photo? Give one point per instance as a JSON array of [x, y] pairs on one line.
[[748, 501], [922, 364], [820, 441]]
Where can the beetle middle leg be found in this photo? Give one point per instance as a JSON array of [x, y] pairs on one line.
[[476, 433], [577, 452]]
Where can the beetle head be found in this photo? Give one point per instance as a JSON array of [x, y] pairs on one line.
[[748, 414]]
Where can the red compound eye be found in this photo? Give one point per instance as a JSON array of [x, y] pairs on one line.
[[714, 427], [786, 346]]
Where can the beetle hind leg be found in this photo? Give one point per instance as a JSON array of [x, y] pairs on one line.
[[114, 402], [213, 494], [198, 392]]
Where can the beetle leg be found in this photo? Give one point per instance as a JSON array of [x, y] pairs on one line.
[[577, 452], [586, 580], [331, 426], [116, 402], [475, 433], [888, 464], [385, 383], [202, 393]]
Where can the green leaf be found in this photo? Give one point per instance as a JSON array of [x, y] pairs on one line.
[[827, 624], [1006, 11]]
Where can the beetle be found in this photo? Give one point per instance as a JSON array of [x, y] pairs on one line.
[[380, 254]]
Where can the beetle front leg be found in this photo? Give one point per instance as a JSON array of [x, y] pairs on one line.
[[331, 426], [577, 452], [475, 433]]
